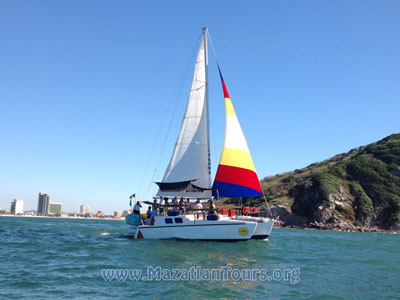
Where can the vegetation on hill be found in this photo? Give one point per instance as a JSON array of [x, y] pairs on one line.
[[361, 187]]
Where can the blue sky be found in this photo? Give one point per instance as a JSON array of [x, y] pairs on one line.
[[88, 89]]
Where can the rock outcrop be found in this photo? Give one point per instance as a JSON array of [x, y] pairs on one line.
[[354, 191]]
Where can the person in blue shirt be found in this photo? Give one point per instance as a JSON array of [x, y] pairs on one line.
[[153, 215], [175, 204]]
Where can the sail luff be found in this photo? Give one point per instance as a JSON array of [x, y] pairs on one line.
[[236, 175], [191, 156]]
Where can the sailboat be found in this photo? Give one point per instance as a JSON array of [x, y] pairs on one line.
[[188, 174]]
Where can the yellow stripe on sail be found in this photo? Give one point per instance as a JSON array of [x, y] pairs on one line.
[[237, 158], [229, 107]]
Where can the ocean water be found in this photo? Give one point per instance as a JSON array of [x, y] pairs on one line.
[[44, 258]]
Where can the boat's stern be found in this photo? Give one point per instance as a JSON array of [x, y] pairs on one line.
[[264, 226], [132, 231], [263, 229]]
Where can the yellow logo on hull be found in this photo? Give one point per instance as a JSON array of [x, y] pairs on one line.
[[243, 231]]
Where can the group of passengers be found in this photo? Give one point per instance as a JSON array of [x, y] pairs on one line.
[[164, 206]]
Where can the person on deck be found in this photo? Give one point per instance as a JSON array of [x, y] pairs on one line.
[[211, 208], [198, 208], [167, 205], [154, 206], [181, 206], [175, 204], [153, 215], [148, 212], [136, 207], [136, 211], [161, 208], [188, 205]]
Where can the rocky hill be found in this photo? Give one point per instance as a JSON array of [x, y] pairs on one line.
[[357, 190]]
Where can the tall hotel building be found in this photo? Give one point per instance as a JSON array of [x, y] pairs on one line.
[[17, 206], [84, 209], [43, 204]]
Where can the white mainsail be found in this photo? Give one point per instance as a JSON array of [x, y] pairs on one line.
[[189, 170]]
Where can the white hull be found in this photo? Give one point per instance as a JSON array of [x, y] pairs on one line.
[[191, 229]]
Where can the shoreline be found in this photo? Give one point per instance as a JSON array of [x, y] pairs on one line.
[[277, 224], [331, 228], [54, 217]]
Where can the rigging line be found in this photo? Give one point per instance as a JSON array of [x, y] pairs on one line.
[[153, 147], [179, 97], [150, 157], [213, 146], [219, 68], [213, 49], [173, 100], [266, 202]]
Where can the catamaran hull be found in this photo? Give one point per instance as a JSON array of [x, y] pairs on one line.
[[264, 226], [228, 231]]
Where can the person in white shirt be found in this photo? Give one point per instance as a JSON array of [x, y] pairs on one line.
[[161, 208], [198, 206], [136, 211]]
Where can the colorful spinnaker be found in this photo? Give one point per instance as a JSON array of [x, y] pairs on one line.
[[236, 175]]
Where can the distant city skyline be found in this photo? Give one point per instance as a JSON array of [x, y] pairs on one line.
[[92, 96], [47, 207]]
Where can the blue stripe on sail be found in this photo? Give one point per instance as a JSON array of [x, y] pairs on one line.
[[220, 73], [233, 190]]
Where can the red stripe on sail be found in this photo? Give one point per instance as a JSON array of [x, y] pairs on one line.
[[226, 95], [238, 176]]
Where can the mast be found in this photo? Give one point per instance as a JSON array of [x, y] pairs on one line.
[[189, 171]]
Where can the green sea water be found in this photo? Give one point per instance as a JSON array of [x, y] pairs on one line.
[[44, 258]]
